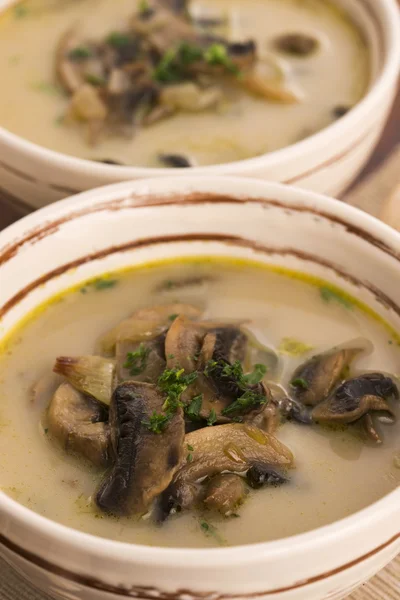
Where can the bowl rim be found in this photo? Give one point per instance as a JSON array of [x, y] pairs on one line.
[[388, 13], [239, 189]]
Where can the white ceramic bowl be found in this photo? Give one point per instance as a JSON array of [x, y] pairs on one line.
[[132, 223], [326, 162]]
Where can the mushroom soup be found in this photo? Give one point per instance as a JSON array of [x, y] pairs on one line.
[[198, 403], [176, 84]]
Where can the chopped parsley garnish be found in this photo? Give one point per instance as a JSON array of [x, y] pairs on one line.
[[136, 361], [300, 383], [293, 347], [211, 531], [173, 64], [173, 382], [256, 375], [104, 284], [249, 399], [189, 457], [157, 422], [190, 448], [79, 53], [193, 409], [117, 39], [235, 371], [144, 6], [217, 54], [172, 317], [96, 80], [189, 53], [212, 417], [330, 295], [46, 430]]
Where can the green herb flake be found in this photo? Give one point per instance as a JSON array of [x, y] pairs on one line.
[[136, 361], [292, 347], [189, 447], [301, 383], [20, 10], [171, 356], [212, 417], [104, 284], [330, 295], [95, 80], [194, 408], [167, 70], [157, 422], [144, 6], [211, 531], [173, 317], [217, 54], [256, 375], [118, 39], [189, 53], [249, 399], [79, 53], [46, 431], [189, 457], [83, 290]]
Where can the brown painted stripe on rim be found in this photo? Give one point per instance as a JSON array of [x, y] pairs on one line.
[[202, 237], [331, 161], [136, 202], [151, 593]]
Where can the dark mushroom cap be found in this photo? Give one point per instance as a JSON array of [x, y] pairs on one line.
[[314, 380], [145, 461], [232, 448], [357, 397], [79, 424]]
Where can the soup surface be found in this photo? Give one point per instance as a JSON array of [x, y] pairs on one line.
[[237, 123], [336, 471]]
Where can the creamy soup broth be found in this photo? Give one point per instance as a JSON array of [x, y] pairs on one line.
[[33, 105], [336, 473]]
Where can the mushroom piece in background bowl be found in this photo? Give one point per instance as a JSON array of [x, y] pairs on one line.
[[152, 87], [225, 311]]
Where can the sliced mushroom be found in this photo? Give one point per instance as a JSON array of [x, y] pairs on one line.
[[69, 73], [141, 361], [145, 461], [297, 44], [314, 380], [183, 344], [87, 105], [190, 97], [225, 493], [92, 375], [272, 90], [146, 324], [358, 397], [175, 161], [79, 424], [261, 474], [232, 448]]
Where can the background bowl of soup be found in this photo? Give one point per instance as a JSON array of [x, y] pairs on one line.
[[306, 135], [311, 273]]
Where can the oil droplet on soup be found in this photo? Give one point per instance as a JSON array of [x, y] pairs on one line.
[[260, 466], [312, 67]]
